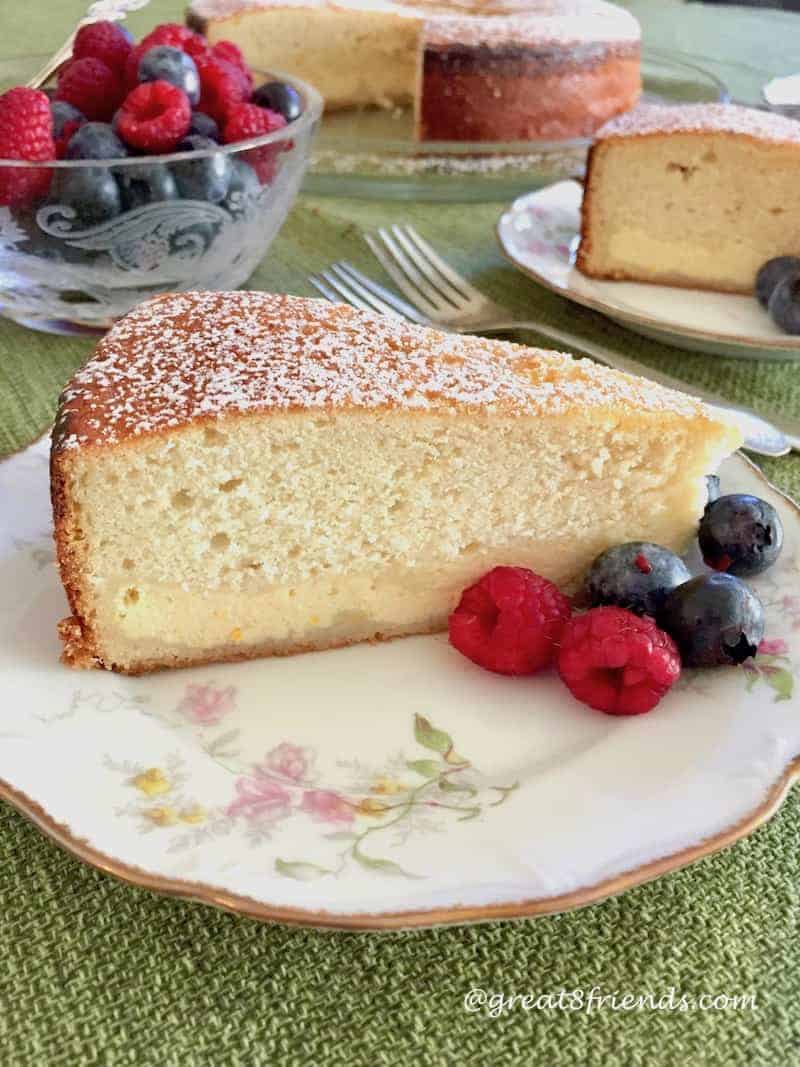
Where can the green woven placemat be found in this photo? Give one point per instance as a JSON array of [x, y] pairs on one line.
[[95, 972]]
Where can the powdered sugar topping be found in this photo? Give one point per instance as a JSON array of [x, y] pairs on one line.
[[703, 118], [474, 22], [192, 356]]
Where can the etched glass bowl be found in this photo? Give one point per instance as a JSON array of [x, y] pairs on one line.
[[64, 271]]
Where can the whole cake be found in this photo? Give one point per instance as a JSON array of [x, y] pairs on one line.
[[246, 474], [499, 70], [697, 195]]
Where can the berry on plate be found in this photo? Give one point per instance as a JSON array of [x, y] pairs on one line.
[[510, 621], [617, 662], [773, 271], [154, 117], [103, 40], [784, 303], [715, 620], [637, 576], [95, 140], [206, 178], [26, 132], [280, 97], [92, 87], [168, 64], [740, 534]]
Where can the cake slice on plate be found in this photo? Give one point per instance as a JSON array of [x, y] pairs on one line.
[[696, 195], [245, 474]]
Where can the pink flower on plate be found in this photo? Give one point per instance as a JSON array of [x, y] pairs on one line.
[[774, 647], [289, 761], [257, 797], [326, 805], [206, 705]]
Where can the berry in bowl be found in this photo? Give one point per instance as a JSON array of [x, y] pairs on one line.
[[149, 167]]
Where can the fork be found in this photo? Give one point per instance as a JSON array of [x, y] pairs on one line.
[[434, 294]]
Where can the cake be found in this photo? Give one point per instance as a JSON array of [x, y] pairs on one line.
[[698, 195], [474, 70], [247, 474]]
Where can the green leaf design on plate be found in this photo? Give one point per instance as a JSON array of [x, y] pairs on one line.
[[429, 737], [782, 681], [450, 786], [427, 767], [373, 863], [471, 813], [455, 760], [505, 792], [303, 872]]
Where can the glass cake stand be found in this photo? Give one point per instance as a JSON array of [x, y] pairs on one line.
[[372, 153]]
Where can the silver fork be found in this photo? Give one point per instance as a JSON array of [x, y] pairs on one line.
[[437, 295]]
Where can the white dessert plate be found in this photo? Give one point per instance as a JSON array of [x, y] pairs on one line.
[[381, 786], [540, 234]]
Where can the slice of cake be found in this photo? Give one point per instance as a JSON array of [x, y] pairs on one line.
[[245, 474], [697, 195], [506, 70]]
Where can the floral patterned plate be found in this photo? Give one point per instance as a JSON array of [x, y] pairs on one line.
[[380, 786], [540, 234]]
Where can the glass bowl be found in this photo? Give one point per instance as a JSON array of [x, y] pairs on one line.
[[73, 263]]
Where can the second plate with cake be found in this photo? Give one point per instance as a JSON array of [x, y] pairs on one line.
[[540, 234]]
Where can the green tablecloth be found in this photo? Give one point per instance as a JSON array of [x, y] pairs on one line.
[[94, 972]]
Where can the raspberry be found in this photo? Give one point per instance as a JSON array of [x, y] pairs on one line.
[[92, 87], [510, 621], [154, 117], [26, 132], [102, 40], [169, 33], [231, 53], [222, 87], [249, 120], [616, 661]]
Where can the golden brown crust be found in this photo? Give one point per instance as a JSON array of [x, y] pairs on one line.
[[79, 651]]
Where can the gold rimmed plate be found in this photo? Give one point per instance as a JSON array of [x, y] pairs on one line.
[[540, 234], [386, 786]]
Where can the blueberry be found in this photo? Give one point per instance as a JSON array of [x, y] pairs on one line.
[[740, 534], [202, 179], [637, 576], [204, 126], [771, 273], [280, 97], [714, 620], [95, 140], [92, 192], [784, 304], [63, 113], [167, 64], [244, 187], [145, 183]]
